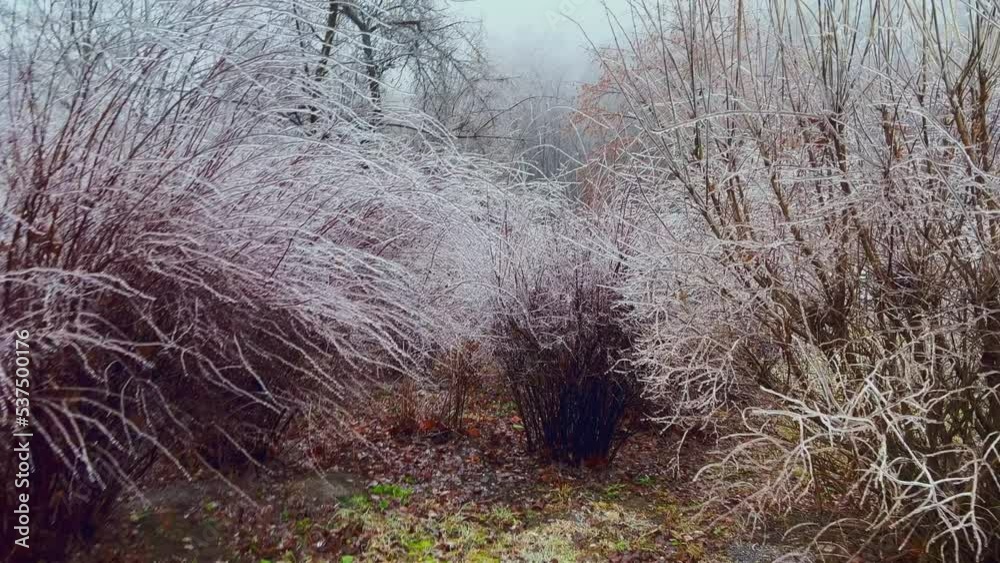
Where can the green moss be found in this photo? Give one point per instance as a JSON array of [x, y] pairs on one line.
[[418, 546], [502, 515], [390, 491], [614, 491], [644, 480], [480, 556], [357, 502]]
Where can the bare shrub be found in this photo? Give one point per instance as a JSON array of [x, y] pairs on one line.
[[193, 260], [824, 185], [560, 337], [407, 409], [434, 405], [458, 371], [571, 393]]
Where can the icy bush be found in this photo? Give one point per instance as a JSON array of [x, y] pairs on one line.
[[203, 242], [825, 193], [560, 335]]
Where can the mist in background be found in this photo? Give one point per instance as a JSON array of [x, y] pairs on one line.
[[547, 38]]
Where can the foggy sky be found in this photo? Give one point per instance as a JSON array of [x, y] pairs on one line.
[[535, 36]]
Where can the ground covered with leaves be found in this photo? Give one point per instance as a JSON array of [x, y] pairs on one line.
[[371, 489]]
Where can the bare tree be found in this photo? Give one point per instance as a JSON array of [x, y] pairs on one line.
[[415, 47]]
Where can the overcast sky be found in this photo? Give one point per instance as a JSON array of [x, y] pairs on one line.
[[536, 36]]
